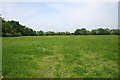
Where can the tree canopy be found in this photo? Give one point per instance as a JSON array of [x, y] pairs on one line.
[[14, 28]]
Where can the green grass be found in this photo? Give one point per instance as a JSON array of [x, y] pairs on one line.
[[60, 57]]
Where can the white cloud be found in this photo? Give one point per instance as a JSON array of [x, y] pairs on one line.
[[89, 15], [63, 16], [59, 0]]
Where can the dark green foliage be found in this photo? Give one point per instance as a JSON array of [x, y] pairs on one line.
[[77, 32], [115, 31], [94, 32], [67, 33], [51, 33], [100, 31], [14, 28], [62, 33], [82, 31], [107, 31], [88, 32], [40, 33]]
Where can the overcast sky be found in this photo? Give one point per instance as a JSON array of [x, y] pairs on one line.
[[62, 16]]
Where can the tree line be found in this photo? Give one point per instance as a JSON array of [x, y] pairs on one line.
[[14, 28]]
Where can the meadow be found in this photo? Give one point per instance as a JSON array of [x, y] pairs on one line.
[[94, 56]]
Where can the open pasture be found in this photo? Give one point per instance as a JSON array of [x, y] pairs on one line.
[[60, 56]]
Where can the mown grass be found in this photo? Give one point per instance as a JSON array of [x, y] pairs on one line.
[[60, 57]]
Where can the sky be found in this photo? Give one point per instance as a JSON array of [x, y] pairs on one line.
[[62, 16]]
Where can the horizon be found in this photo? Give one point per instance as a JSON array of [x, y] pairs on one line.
[[61, 17], [62, 31]]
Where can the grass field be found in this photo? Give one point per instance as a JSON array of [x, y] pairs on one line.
[[60, 57]]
